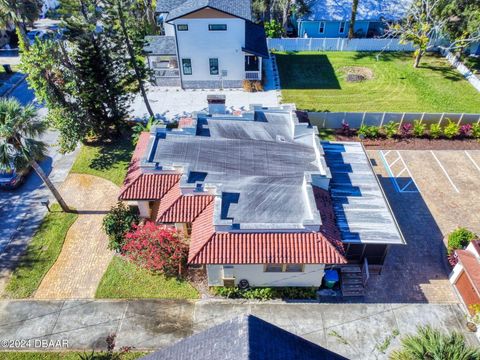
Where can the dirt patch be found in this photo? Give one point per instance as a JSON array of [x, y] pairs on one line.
[[357, 73], [413, 143]]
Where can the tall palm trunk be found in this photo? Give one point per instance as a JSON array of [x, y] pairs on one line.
[[133, 58], [351, 29], [50, 186]]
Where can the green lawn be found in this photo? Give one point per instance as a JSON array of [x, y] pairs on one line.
[[125, 280], [316, 81], [108, 160], [74, 355], [41, 254]]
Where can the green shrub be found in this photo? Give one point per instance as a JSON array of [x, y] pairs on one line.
[[418, 128], [459, 238], [117, 223], [266, 293], [435, 131], [451, 130], [476, 131], [362, 131], [371, 132], [390, 129]]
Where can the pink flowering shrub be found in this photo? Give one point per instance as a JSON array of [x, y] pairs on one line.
[[158, 248], [466, 129]]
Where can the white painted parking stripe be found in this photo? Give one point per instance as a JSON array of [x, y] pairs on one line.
[[444, 171], [473, 161]]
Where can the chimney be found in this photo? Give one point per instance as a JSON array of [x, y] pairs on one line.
[[216, 104]]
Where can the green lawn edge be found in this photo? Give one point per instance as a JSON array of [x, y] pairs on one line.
[[108, 160], [40, 255], [125, 280], [66, 355]]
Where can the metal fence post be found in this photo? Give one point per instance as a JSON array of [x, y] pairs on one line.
[[441, 119], [363, 118], [383, 118], [401, 121], [460, 120]]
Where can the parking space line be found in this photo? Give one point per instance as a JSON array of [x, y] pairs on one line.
[[444, 171], [393, 176], [471, 159]]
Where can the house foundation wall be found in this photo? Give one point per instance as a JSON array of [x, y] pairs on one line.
[[212, 84], [311, 276]]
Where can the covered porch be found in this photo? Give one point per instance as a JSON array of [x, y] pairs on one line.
[[162, 58]]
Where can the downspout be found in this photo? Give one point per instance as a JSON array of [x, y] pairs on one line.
[[180, 69]]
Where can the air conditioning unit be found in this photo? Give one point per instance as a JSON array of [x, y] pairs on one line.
[[224, 73]]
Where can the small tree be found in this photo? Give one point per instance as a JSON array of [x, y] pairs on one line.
[[157, 248], [117, 223], [430, 343], [426, 27], [274, 29]]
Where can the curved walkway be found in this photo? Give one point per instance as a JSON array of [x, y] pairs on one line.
[[84, 257]]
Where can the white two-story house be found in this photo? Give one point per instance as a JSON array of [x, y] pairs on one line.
[[206, 44]]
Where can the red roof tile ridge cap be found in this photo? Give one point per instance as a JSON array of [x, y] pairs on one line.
[[333, 247]]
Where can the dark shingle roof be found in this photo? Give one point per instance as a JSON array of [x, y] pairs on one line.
[[179, 8], [244, 338], [160, 45], [255, 39]]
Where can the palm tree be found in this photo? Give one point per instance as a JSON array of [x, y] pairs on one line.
[[18, 147], [351, 31], [431, 344]]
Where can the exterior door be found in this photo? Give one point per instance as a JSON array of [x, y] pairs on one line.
[[466, 290]]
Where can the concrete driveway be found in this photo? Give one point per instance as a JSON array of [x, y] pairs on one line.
[[356, 331]]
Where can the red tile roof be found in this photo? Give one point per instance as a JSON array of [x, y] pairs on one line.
[[209, 247], [185, 209], [138, 186], [471, 265]]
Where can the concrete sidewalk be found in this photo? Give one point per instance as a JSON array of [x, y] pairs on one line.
[[353, 330]]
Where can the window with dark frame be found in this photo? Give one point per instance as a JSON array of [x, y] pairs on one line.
[[182, 27], [187, 66], [321, 28], [273, 268], [284, 267], [217, 27], [213, 66], [342, 27]]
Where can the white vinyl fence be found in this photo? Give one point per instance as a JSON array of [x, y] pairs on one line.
[[334, 120], [462, 69], [337, 44]]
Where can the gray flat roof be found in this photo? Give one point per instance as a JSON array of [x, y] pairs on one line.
[[362, 211], [262, 167]]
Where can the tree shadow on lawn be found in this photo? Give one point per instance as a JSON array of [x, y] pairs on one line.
[[383, 56], [306, 72], [111, 152]]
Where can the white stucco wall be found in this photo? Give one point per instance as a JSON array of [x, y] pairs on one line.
[[312, 275], [144, 208], [199, 44]]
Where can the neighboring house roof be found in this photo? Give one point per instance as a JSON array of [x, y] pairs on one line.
[[141, 186], [244, 338], [176, 9], [341, 10], [471, 265], [163, 45], [361, 209], [255, 39], [210, 247]]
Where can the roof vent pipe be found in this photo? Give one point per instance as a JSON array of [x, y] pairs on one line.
[[216, 104]]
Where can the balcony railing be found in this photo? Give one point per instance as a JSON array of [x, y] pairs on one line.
[[167, 72], [252, 75]]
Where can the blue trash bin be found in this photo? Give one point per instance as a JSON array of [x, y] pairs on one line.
[[331, 278]]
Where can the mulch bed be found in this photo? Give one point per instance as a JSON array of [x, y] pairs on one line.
[[414, 143]]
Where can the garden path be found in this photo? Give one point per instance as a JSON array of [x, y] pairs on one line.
[[84, 257]]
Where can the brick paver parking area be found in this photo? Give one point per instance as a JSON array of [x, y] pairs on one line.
[[84, 257], [431, 193]]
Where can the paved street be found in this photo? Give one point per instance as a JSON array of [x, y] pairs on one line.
[[353, 330], [21, 210]]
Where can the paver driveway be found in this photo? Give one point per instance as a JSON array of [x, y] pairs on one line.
[[442, 196], [84, 257]]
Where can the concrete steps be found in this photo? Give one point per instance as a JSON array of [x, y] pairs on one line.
[[352, 281]]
